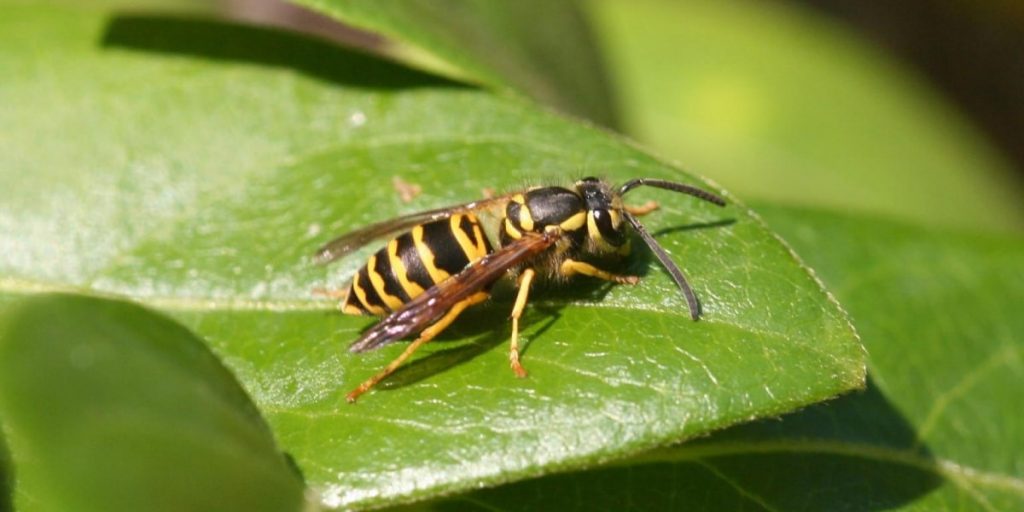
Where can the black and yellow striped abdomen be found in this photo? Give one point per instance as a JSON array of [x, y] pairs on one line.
[[414, 262]]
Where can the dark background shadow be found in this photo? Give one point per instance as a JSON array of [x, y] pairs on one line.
[[227, 41], [6, 477], [971, 51]]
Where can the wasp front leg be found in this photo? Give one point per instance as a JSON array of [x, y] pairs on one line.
[[643, 209], [572, 267]]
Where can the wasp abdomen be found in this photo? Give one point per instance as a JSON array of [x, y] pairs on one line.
[[414, 262]]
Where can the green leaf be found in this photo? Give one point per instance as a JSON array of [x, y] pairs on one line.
[[780, 104], [195, 166], [538, 48], [109, 406], [935, 430]]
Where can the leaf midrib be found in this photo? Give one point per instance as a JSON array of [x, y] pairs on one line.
[[16, 286]]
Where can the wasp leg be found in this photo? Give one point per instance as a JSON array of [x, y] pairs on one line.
[[406, 191], [428, 334], [643, 209], [571, 267], [525, 280], [331, 294], [342, 297]]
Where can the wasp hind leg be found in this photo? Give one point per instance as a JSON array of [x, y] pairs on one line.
[[333, 294], [342, 296], [525, 280], [572, 267], [428, 334]]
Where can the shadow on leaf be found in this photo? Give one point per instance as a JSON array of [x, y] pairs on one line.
[[492, 328], [693, 227], [227, 41]]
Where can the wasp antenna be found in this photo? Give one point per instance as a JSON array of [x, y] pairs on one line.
[[671, 185], [666, 261]]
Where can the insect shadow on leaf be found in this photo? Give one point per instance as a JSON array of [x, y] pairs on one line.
[[480, 322], [448, 358]]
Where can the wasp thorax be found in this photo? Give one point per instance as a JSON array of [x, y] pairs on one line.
[[537, 209]]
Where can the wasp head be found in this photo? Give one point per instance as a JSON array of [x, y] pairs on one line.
[[605, 227]]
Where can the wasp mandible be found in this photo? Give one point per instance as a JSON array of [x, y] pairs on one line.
[[446, 260]]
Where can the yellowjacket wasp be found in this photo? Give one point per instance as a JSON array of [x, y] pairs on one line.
[[445, 260]]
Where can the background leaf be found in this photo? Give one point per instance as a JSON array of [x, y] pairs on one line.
[[196, 165], [538, 48], [938, 312], [777, 103], [111, 407]]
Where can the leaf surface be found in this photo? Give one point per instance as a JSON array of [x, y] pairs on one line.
[[195, 166]]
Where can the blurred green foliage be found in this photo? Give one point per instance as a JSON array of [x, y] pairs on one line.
[[112, 407], [777, 103]]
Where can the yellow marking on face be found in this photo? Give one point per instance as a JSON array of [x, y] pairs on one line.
[[361, 295], [573, 223], [377, 281], [525, 218], [615, 218], [592, 230], [511, 230], [595, 233], [412, 289], [427, 256]]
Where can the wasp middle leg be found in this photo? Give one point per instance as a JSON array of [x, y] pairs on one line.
[[525, 280], [428, 334]]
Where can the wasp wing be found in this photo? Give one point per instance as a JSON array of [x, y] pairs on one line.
[[353, 240], [429, 307]]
